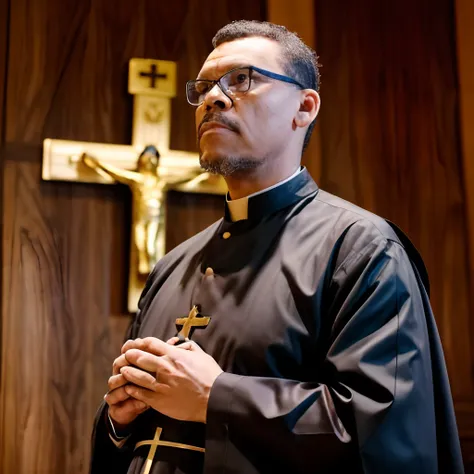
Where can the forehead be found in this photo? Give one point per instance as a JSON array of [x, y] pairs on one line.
[[255, 51]]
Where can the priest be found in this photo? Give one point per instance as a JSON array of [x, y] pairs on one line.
[[293, 335]]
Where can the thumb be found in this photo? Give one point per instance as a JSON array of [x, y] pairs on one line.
[[141, 406], [173, 341], [190, 346]]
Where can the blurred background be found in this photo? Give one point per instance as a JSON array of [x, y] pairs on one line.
[[395, 135]]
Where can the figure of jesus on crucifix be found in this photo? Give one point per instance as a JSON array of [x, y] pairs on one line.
[[149, 186]]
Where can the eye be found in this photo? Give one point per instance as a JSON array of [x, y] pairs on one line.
[[242, 77], [202, 87], [238, 81]]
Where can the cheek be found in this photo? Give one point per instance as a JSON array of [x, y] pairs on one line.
[[281, 107], [276, 105], [269, 119], [199, 114]]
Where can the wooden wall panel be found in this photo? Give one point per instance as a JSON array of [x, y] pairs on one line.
[[65, 246], [464, 10], [390, 143], [56, 318], [465, 48], [4, 16], [4, 10], [181, 224]]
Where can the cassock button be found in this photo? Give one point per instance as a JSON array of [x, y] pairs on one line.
[[226, 235], [209, 272]]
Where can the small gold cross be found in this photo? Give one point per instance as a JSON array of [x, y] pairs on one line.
[[194, 319], [155, 442]]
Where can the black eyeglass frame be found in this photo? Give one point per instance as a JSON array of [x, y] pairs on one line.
[[264, 72]]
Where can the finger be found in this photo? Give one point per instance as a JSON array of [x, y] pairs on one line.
[[135, 405], [116, 396], [181, 339], [130, 344], [186, 346], [149, 344], [142, 394], [190, 346], [116, 381], [138, 405], [139, 377], [162, 366], [119, 362], [127, 409], [142, 360], [172, 341]]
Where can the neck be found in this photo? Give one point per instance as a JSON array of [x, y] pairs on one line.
[[248, 182]]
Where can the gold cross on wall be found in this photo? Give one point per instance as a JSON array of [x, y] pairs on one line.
[[153, 75], [194, 319]]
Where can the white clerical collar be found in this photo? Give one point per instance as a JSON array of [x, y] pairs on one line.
[[238, 208]]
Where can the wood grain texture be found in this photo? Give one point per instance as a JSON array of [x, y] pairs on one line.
[[4, 8], [65, 246], [56, 326], [465, 46], [181, 224], [390, 143], [464, 16], [4, 17]]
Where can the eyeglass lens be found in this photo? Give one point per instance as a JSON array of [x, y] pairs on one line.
[[233, 82]]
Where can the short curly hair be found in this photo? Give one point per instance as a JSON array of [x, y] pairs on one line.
[[299, 60]]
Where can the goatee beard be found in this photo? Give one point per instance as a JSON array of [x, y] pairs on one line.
[[230, 165]]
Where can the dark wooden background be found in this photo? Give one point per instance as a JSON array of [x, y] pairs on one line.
[[389, 129]]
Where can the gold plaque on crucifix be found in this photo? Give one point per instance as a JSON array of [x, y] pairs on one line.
[[147, 166]]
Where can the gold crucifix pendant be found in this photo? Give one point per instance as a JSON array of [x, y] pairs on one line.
[[194, 319]]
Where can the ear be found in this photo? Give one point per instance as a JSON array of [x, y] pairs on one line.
[[309, 108]]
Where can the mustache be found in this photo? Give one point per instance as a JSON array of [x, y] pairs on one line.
[[219, 118]]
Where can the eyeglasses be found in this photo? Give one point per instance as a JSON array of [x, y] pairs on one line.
[[234, 82]]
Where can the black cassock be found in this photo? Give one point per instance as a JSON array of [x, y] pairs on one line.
[[323, 327]]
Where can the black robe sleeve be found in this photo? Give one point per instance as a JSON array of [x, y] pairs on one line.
[[371, 408], [106, 457]]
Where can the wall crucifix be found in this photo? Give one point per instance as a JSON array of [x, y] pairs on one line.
[[147, 166]]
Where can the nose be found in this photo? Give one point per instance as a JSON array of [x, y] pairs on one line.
[[216, 98]]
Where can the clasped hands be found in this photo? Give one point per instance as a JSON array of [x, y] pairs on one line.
[[173, 380]]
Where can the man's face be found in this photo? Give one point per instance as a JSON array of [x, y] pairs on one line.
[[257, 124]]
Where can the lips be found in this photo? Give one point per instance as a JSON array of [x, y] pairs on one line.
[[210, 126]]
